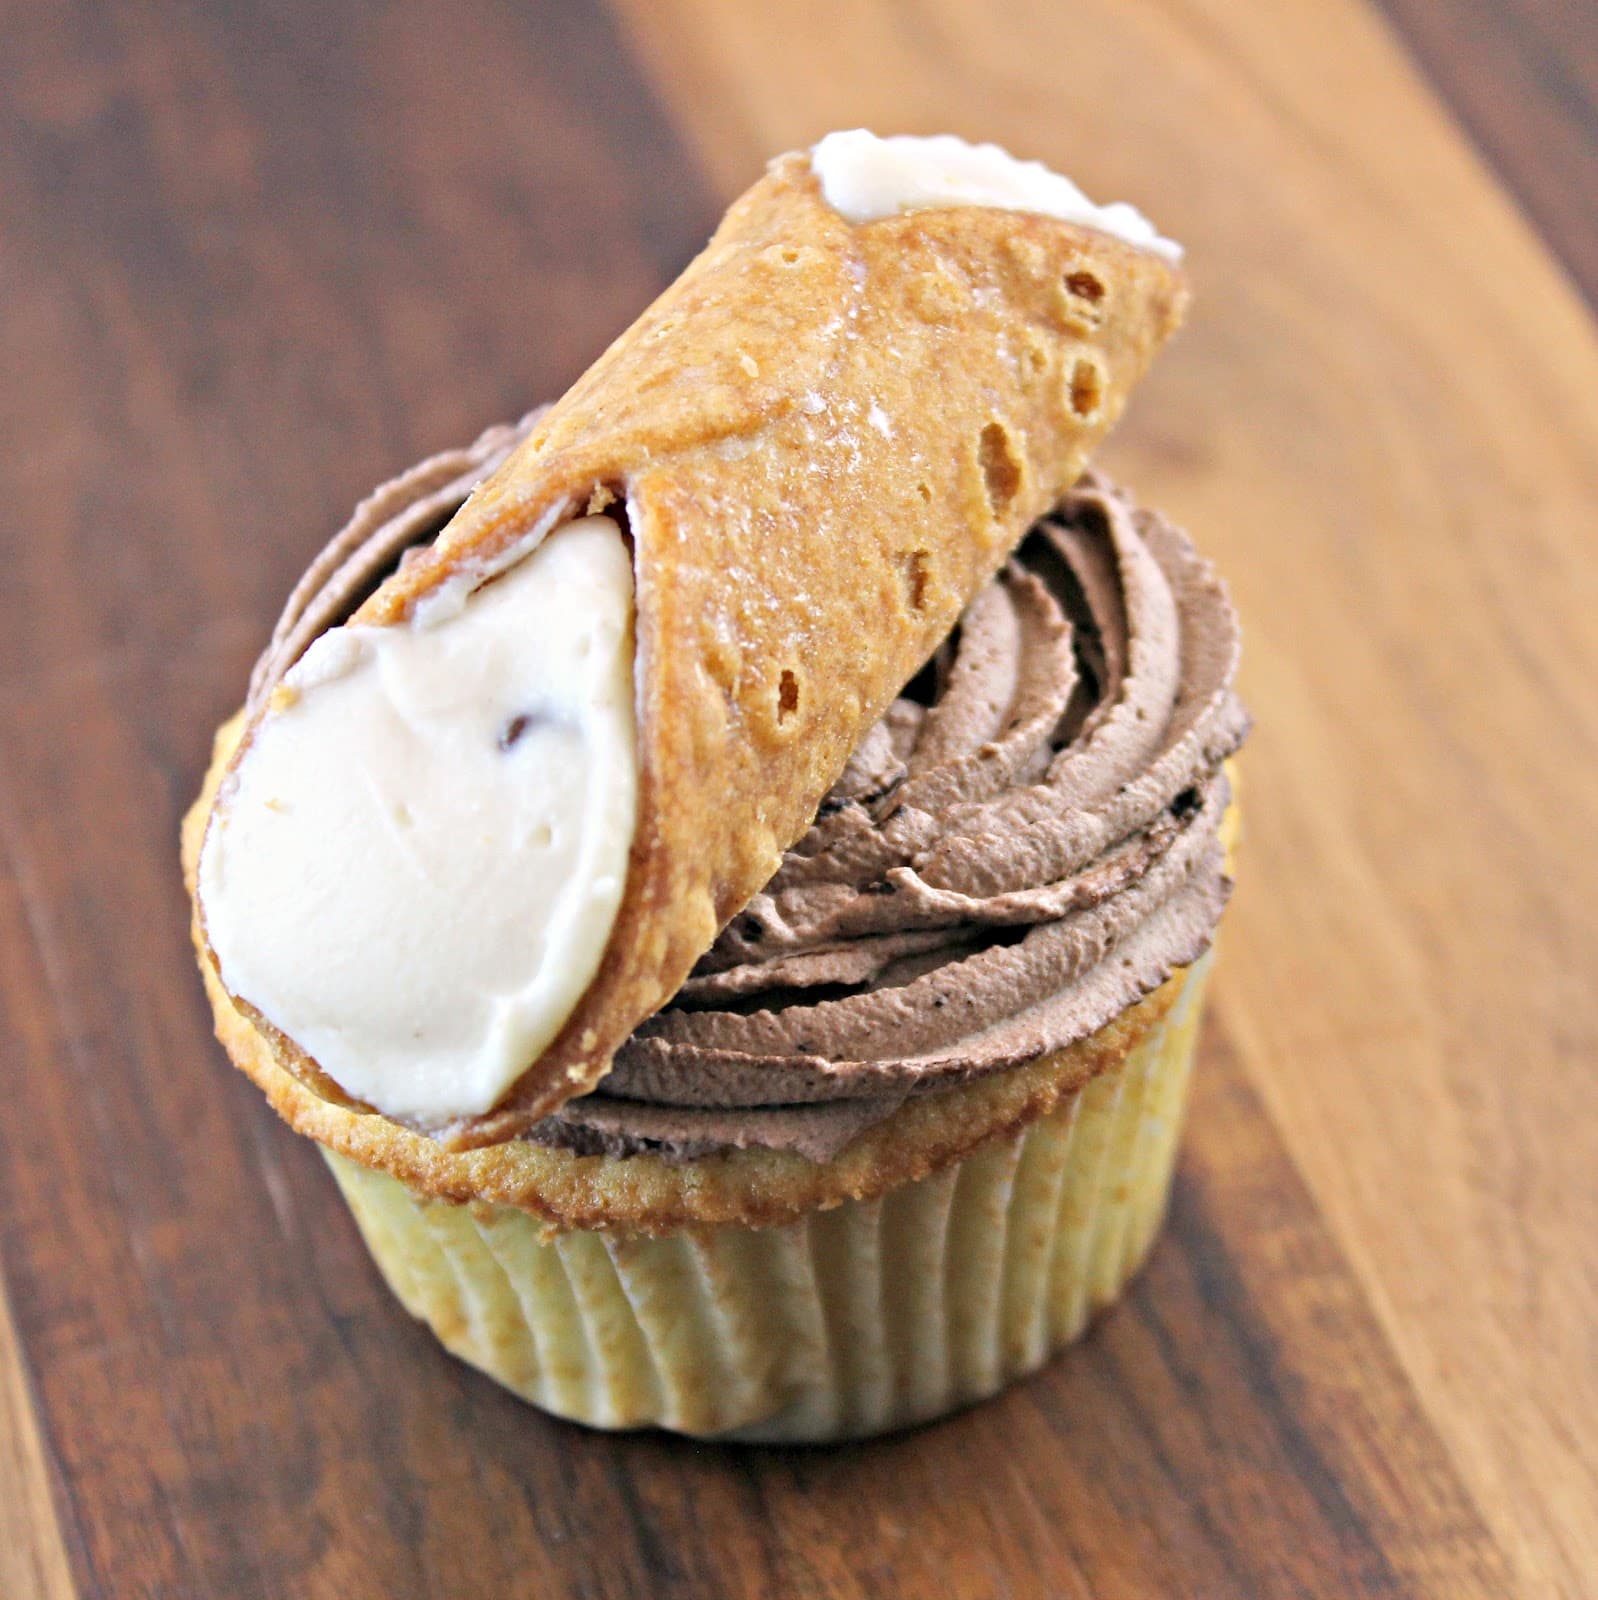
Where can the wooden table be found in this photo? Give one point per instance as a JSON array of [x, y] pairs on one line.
[[253, 258]]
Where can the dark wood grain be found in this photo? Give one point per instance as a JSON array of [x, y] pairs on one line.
[[1522, 76], [254, 258], [251, 264]]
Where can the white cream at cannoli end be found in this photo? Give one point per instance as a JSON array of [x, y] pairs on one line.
[[865, 178], [415, 867]]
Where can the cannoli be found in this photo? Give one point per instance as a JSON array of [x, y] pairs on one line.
[[477, 832]]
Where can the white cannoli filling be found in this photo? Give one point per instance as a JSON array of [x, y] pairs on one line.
[[416, 866], [866, 178]]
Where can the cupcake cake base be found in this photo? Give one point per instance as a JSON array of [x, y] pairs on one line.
[[868, 1316]]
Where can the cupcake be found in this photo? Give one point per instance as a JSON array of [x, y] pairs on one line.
[[726, 868]]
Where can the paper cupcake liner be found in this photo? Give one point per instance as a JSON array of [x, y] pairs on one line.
[[868, 1317]]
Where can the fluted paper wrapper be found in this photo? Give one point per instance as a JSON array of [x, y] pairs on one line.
[[871, 1316]]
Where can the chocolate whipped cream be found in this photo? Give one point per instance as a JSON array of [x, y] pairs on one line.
[[1024, 846]]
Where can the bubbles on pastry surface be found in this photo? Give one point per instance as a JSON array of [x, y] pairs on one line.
[[1001, 466], [1086, 392], [917, 572], [787, 695], [1082, 297], [1083, 284]]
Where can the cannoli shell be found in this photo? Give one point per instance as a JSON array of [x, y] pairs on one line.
[[822, 439]]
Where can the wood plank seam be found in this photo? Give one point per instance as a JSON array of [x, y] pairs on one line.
[[33, 1558]]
